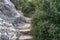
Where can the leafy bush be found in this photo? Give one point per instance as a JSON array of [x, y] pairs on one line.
[[46, 21], [28, 9], [16, 3]]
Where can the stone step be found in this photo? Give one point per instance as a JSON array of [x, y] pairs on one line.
[[28, 20], [25, 37], [26, 26], [25, 30]]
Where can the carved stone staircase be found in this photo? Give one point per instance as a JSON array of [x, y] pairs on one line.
[[25, 32]]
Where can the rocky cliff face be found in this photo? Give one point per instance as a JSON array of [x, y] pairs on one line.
[[10, 20]]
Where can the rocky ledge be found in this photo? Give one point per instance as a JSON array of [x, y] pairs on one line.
[[10, 21]]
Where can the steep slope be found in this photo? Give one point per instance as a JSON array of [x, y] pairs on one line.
[[10, 21]]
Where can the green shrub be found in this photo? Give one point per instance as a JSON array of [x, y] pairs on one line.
[[46, 21], [28, 9], [16, 3]]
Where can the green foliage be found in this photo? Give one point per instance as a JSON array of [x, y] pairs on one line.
[[28, 9], [16, 3], [46, 21]]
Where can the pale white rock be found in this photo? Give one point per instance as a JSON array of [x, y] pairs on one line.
[[10, 20]]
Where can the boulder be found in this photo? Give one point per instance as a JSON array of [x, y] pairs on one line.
[[10, 20]]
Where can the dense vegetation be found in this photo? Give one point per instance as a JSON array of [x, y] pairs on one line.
[[27, 7], [46, 21], [16, 3], [45, 18]]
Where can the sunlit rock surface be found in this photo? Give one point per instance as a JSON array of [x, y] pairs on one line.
[[10, 20]]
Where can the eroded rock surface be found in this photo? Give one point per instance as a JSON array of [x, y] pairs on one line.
[[10, 20]]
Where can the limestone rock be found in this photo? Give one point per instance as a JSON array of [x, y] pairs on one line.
[[10, 20]]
